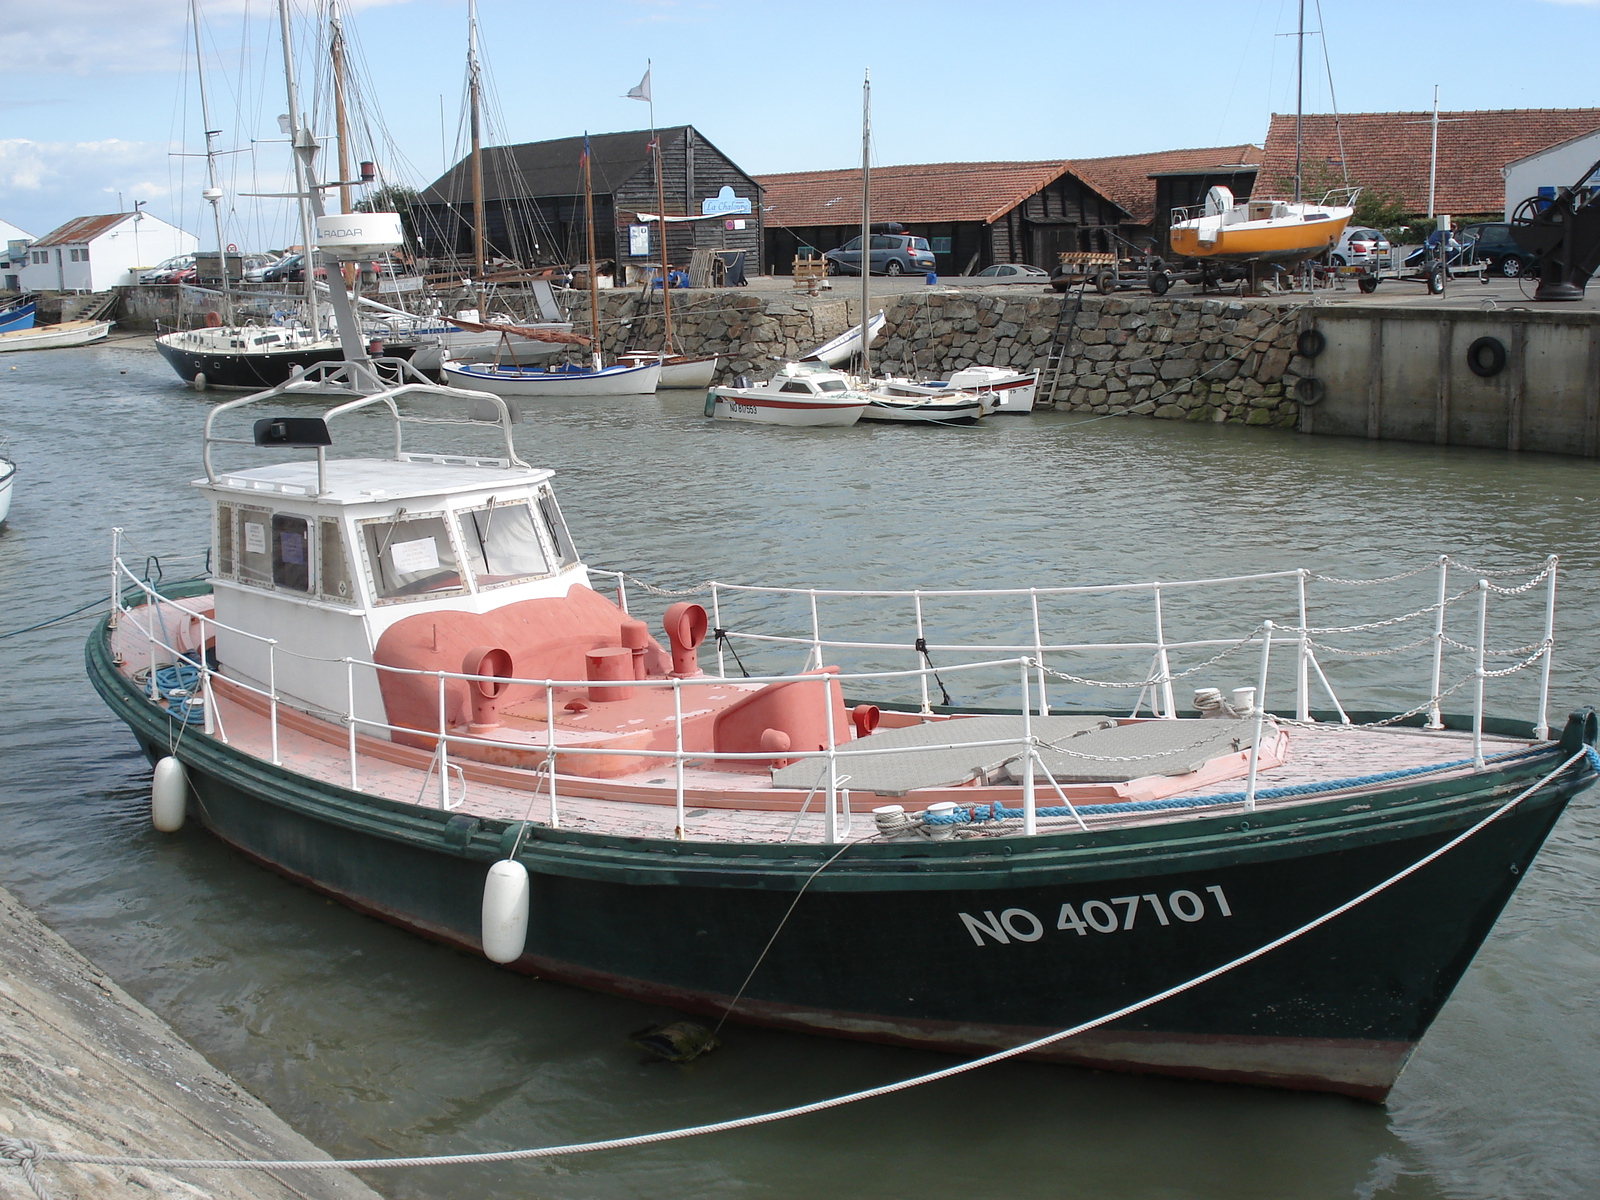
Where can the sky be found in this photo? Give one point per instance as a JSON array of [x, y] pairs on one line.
[[99, 106]]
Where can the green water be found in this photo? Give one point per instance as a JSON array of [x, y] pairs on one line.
[[374, 1042]]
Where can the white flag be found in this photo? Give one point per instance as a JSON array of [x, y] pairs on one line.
[[642, 92]]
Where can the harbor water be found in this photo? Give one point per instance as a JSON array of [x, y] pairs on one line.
[[373, 1042]]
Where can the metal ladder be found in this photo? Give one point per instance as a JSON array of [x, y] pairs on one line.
[[1060, 341]]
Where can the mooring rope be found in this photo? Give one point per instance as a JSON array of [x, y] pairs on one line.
[[24, 1153]]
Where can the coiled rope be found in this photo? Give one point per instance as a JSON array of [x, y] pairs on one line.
[[24, 1153]]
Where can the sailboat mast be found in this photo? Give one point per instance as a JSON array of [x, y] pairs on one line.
[[866, 225], [1299, 94], [340, 116], [301, 180], [475, 101], [661, 220], [213, 193], [594, 282]]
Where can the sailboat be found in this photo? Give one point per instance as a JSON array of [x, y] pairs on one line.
[[1263, 231], [514, 379]]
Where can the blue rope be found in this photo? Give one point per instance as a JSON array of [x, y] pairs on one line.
[[180, 676], [998, 812]]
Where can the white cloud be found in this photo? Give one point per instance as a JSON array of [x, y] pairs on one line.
[[43, 184]]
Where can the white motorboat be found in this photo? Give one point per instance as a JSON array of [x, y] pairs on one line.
[[847, 344], [8, 474], [505, 379], [55, 337], [677, 370], [909, 402], [1007, 391], [798, 394]]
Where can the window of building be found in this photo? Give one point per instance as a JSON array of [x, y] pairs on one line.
[[83, 255], [291, 552], [411, 558], [556, 527], [333, 566], [501, 544]]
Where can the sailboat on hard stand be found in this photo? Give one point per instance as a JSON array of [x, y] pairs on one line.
[[596, 379], [885, 403]]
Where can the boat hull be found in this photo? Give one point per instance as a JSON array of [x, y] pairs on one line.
[[8, 476], [754, 405], [847, 344], [55, 337], [679, 371], [247, 372], [14, 319], [533, 382], [934, 410], [1263, 242], [957, 946]]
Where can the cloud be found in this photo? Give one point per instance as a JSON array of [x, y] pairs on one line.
[[43, 184]]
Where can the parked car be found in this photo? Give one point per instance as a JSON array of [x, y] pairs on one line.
[[290, 269], [1012, 271], [255, 264], [168, 271], [891, 254], [1358, 246], [1493, 245]]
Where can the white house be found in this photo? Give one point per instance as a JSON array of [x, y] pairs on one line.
[[13, 241], [91, 254], [1544, 171]]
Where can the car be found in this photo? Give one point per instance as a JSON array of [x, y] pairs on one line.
[[168, 271], [891, 254], [255, 264], [289, 269], [1012, 271], [1358, 245], [1493, 245]]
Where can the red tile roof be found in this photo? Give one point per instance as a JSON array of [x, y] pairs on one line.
[[81, 229], [1390, 152], [925, 192], [1125, 178]]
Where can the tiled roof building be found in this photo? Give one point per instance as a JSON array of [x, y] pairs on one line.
[[1390, 152]]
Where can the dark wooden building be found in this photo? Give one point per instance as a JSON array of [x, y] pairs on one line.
[[534, 207], [1149, 186], [973, 214]]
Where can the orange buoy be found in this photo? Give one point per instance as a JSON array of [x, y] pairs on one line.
[[213, 320]]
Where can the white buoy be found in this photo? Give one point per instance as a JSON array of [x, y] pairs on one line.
[[169, 795], [505, 911]]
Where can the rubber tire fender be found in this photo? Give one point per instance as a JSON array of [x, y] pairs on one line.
[[1495, 351], [1310, 343], [1309, 392]]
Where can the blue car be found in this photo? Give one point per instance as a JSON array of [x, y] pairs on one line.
[[891, 254]]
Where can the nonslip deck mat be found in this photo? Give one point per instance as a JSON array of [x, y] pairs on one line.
[[921, 767], [1153, 748]]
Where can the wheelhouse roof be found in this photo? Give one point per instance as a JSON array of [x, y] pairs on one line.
[[375, 480]]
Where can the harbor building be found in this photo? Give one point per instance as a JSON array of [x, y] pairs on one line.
[[1390, 153], [94, 254], [1544, 171], [14, 243], [1149, 186], [534, 203]]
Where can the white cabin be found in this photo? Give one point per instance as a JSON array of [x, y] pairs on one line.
[[1546, 171], [94, 254]]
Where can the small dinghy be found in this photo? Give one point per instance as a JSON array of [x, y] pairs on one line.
[[55, 337], [8, 475], [798, 394], [847, 344], [911, 403], [677, 370], [1006, 391], [20, 317], [506, 379]]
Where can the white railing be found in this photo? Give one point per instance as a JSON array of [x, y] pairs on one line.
[[148, 620]]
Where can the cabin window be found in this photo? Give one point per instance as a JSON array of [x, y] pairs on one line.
[[832, 385], [254, 546], [501, 544], [796, 387], [291, 552], [557, 529], [333, 567], [224, 558], [411, 557]]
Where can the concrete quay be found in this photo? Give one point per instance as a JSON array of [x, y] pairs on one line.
[[85, 1067]]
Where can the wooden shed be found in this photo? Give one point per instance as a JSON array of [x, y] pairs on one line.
[[533, 201]]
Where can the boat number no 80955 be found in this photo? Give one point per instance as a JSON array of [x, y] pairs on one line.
[[1101, 916]]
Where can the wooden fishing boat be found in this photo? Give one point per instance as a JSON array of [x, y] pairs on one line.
[[908, 402], [677, 370], [17, 317], [400, 687], [508, 379], [55, 337], [801, 394]]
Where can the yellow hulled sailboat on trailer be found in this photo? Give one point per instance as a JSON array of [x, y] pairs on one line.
[[1258, 231]]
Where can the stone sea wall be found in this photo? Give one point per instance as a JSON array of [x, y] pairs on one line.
[[1176, 359]]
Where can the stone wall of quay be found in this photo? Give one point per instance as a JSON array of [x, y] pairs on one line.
[[1176, 359]]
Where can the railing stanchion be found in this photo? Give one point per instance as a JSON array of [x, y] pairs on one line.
[[816, 633], [1169, 708], [350, 718], [150, 653], [831, 810], [1302, 668], [444, 750], [1541, 722], [209, 725], [716, 623], [116, 583], [1477, 702], [622, 591], [677, 755], [1038, 652], [1435, 721], [272, 697], [550, 748], [922, 656], [1261, 715], [1030, 813]]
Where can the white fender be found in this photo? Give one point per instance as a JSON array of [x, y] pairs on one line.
[[169, 795], [505, 911]]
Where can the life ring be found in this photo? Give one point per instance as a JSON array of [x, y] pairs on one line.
[[1309, 392], [213, 320], [1486, 357], [1310, 343]]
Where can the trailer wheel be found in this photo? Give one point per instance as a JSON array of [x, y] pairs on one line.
[[1436, 281], [1105, 283], [1367, 284], [1160, 281]]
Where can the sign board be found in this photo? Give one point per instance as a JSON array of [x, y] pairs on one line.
[[723, 203], [737, 223], [639, 241]]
